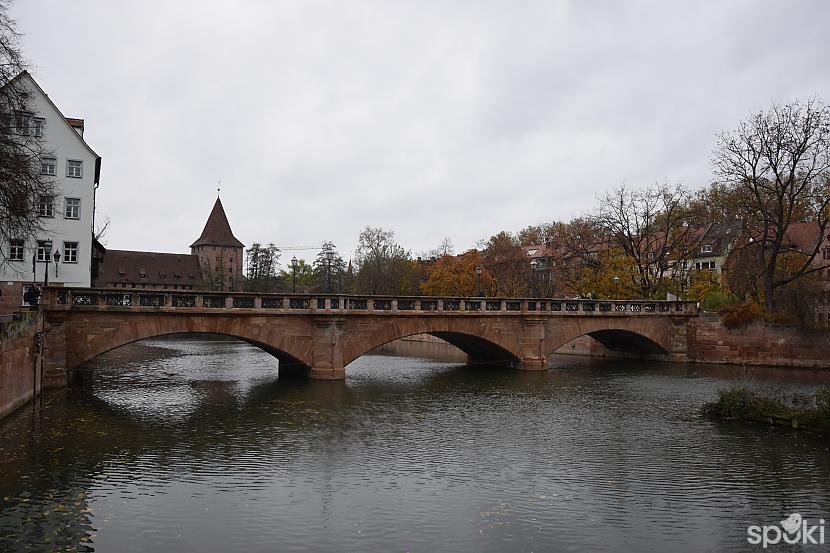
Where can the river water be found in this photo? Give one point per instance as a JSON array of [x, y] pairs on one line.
[[196, 445]]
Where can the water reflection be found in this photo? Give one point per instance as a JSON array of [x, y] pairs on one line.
[[173, 445]]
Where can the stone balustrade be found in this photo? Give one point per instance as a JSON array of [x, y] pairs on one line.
[[185, 301]]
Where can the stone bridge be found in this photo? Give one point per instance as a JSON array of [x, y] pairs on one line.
[[319, 335]]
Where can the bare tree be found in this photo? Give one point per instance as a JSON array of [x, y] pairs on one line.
[[779, 161], [651, 226], [22, 181], [101, 230]]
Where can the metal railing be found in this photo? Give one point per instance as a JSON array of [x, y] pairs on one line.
[[117, 299]]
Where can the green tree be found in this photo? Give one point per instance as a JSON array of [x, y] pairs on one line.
[[329, 269], [382, 265], [262, 267], [304, 273]]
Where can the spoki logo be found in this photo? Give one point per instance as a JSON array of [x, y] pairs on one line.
[[792, 530]]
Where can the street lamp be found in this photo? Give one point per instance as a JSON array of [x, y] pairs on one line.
[[294, 264], [47, 250], [478, 281], [329, 257], [616, 280], [57, 257], [534, 265]]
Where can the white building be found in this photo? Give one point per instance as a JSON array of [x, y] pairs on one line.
[[67, 216]]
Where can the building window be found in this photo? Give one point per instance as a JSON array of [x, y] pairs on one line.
[[37, 127], [825, 253], [44, 250], [48, 166], [70, 252], [15, 250], [73, 208], [74, 168], [46, 206], [23, 121], [706, 248]]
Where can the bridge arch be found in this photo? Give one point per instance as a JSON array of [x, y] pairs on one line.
[[649, 337], [481, 342], [85, 342]]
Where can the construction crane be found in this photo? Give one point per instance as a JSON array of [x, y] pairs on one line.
[[296, 248]]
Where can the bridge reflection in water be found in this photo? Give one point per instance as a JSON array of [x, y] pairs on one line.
[[172, 445], [318, 336]]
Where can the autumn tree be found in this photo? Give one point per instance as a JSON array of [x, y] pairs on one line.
[[503, 258], [612, 275], [716, 203], [455, 275], [22, 180], [536, 234], [779, 161]]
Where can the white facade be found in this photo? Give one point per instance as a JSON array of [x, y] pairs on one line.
[[69, 221]]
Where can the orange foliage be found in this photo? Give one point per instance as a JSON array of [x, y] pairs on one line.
[[456, 276]]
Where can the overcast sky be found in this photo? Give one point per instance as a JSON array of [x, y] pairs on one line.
[[430, 118]]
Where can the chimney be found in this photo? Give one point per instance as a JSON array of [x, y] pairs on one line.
[[77, 124]]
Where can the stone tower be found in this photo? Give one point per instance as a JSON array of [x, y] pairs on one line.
[[220, 253]]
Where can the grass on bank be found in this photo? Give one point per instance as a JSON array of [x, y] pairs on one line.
[[806, 411]]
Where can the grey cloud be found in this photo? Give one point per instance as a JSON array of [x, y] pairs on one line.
[[430, 118]]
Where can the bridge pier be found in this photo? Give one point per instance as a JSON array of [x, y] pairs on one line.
[[327, 350], [55, 373], [532, 345]]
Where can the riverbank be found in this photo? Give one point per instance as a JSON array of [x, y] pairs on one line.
[[810, 412]]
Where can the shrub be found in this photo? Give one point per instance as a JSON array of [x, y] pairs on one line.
[[739, 314]]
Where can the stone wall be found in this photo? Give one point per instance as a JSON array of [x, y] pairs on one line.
[[758, 343], [19, 360], [11, 293]]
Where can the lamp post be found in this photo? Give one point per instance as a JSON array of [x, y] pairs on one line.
[[294, 264], [478, 281], [616, 286], [534, 265], [329, 257], [47, 247], [57, 257]]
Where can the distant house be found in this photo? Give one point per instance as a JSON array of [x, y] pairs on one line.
[[149, 270], [67, 216], [714, 247]]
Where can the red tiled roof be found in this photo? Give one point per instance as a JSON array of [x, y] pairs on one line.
[[77, 123], [151, 268], [802, 236], [217, 231]]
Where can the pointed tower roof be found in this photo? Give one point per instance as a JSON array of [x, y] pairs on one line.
[[217, 231]]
